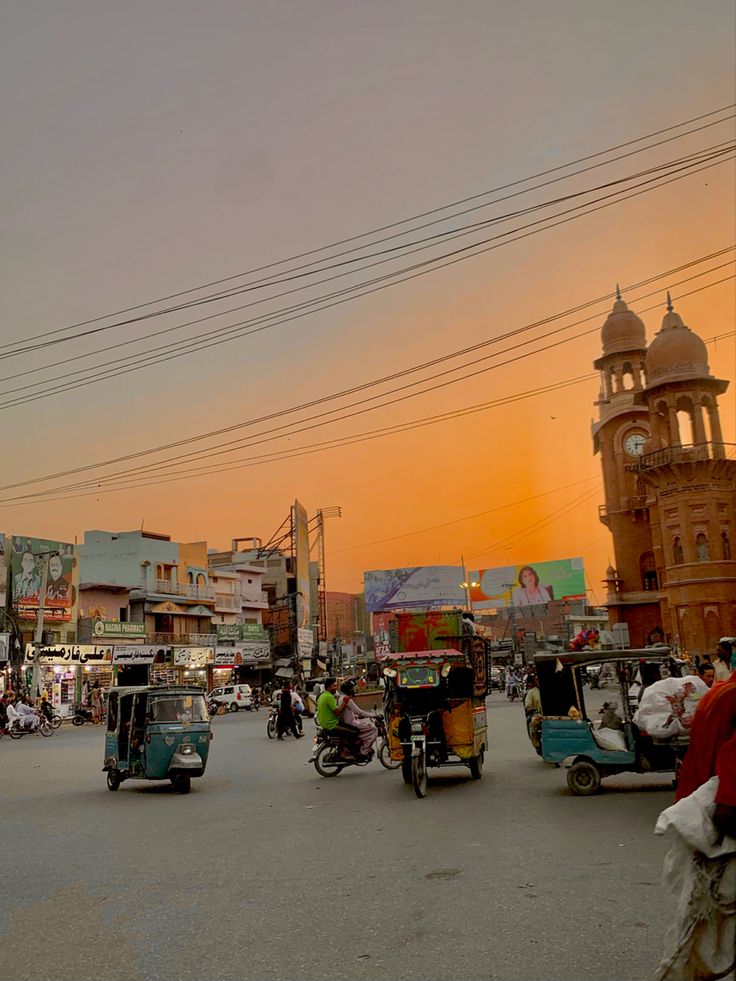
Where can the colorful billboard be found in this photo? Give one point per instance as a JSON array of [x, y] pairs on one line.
[[529, 585], [301, 555], [416, 586], [27, 557]]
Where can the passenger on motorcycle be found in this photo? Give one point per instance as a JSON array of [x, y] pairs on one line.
[[28, 715], [354, 715], [329, 716]]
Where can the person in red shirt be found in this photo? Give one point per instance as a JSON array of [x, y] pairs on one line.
[[712, 752]]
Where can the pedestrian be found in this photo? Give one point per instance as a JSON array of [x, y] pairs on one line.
[[96, 699], [297, 706], [285, 720], [701, 866], [4, 711], [722, 661]]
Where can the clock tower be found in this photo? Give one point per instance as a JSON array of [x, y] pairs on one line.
[[619, 436]]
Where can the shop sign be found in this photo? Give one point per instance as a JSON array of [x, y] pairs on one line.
[[252, 631], [255, 650], [69, 654], [193, 657], [228, 631], [117, 628], [305, 641], [4, 648], [139, 654]]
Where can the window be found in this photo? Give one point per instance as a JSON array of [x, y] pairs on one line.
[[725, 545], [201, 581], [702, 548], [627, 377], [123, 614], [679, 556], [649, 580], [190, 577]]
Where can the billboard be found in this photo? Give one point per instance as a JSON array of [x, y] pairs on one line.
[[301, 556], [26, 559], [529, 585], [415, 586]]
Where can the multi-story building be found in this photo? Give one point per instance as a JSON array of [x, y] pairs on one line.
[[170, 593], [670, 486]]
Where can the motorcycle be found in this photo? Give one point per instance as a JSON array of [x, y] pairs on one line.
[[83, 715], [17, 730], [332, 754], [53, 718], [514, 691], [382, 748], [272, 723], [216, 708]]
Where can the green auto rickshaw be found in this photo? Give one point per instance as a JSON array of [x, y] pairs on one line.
[[156, 733]]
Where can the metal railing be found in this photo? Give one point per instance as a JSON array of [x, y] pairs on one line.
[[169, 588], [687, 454], [227, 601]]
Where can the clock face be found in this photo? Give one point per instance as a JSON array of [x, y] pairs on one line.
[[634, 444]]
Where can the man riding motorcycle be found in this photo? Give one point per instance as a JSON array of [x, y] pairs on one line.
[[329, 718]]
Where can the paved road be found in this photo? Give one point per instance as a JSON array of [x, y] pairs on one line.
[[267, 871]]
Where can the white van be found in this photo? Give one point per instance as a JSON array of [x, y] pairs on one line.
[[234, 696]]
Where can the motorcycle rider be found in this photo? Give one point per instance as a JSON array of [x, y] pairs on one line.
[[28, 715], [329, 717], [354, 715]]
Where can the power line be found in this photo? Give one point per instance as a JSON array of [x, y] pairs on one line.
[[238, 443], [402, 221], [458, 255], [688, 160], [270, 435]]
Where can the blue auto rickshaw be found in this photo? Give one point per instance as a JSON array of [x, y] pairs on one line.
[[569, 735], [156, 733]]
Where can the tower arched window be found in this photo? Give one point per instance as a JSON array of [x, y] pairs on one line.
[[725, 545], [685, 422], [627, 377], [702, 548], [677, 552], [190, 577], [649, 579]]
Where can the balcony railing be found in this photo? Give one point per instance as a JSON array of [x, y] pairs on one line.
[[227, 601], [168, 588], [687, 454], [182, 640]]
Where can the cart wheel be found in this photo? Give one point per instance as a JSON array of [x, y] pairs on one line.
[[419, 774], [384, 756], [584, 778], [476, 766], [406, 771], [182, 782], [324, 761], [113, 779]]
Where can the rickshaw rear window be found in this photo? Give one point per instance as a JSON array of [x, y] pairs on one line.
[[179, 708], [419, 677]]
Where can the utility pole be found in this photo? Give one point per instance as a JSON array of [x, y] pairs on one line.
[[467, 585], [319, 541], [36, 677]]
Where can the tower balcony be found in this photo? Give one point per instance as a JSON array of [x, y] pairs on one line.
[[696, 453]]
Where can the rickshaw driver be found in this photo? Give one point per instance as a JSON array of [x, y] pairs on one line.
[[328, 716]]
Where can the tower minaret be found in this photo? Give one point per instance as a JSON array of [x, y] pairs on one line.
[[619, 436], [692, 488]]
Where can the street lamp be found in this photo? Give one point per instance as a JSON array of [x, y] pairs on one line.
[[467, 584]]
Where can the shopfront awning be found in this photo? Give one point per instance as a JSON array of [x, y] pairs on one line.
[[285, 673]]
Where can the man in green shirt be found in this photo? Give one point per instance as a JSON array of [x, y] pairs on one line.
[[328, 715]]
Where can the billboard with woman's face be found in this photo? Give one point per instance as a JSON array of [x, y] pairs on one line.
[[27, 557], [531, 584]]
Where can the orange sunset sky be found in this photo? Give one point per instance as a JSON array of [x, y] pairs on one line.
[[146, 155]]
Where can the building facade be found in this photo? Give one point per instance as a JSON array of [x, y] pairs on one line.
[[670, 487]]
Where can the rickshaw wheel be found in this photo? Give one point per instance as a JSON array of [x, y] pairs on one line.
[[419, 774], [476, 766], [406, 771], [182, 782], [113, 779], [584, 778]]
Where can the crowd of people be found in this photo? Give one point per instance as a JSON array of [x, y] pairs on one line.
[[19, 710]]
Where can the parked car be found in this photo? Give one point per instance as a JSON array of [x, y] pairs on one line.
[[234, 696]]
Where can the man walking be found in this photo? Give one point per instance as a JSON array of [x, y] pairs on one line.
[[286, 720]]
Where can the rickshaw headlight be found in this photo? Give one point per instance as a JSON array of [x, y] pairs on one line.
[[186, 749]]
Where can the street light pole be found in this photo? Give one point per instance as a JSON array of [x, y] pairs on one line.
[[467, 585]]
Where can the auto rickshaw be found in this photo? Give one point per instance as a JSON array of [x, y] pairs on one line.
[[435, 710], [156, 734], [569, 734]]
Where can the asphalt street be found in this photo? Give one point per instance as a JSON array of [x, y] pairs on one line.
[[269, 871]]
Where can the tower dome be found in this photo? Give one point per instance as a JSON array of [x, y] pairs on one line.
[[623, 331], [676, 353]]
